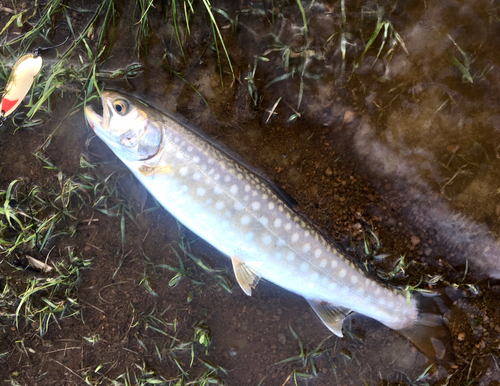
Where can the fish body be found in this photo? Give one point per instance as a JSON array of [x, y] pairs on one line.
[[241, 215]]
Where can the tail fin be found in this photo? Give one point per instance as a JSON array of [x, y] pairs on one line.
[[430, 333]]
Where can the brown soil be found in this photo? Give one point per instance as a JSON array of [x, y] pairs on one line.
[[124, 288]]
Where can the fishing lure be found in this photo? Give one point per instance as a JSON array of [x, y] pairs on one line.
[[20, 80], [22, 77]]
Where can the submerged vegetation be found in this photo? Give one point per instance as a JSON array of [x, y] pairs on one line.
[[99, 287]]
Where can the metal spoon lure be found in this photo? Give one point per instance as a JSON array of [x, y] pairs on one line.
[[19, 83], [22, 77]]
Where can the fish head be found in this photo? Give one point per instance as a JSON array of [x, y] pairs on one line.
[[126, 126]]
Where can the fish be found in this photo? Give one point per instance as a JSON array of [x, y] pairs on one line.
[[241, 214]]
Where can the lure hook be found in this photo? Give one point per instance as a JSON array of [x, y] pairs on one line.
[[38, 50]]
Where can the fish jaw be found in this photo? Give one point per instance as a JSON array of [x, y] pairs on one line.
[[97, 123], [93, 119]]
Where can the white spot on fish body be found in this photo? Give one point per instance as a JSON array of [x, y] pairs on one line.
[[217, 177], [288, 226], [233, 189], [280, 208], [256, 205], [290, 256], [179, 155], [196, 159], [295, 237], [218, 190], [264, 221], [227, 178], [267, 240], [304, 266], [334, 264], [183, 171], [378, 291], [361, 290], [238, 207], [247, 188], [342, 273], [314, 276], [277, 223], [245, 220], [265, 196], [209, 202], [254, 193], [249, 236], [200, 192], [246, 198], [228, 214], [288, 216], [317, 253], [354, 279], [220, 205], [323, 263], [184, 188], [197, 176], [306, 248], [240, 176], [270, 205], [190, 149], [307, 233]]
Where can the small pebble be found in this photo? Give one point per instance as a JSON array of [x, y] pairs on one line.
[[414, 240]]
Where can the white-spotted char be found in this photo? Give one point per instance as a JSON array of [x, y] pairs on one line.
[[242, 216]]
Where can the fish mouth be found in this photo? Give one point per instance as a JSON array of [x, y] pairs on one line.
[[94, 120]]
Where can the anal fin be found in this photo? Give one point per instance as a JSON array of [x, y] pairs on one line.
[[331, 315], [247, 277]]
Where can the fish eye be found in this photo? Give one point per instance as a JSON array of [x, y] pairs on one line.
[[121, 107]]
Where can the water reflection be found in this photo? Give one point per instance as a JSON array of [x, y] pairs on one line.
[[416, 115]]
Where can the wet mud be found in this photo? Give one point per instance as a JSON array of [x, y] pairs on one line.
[[392, 151]]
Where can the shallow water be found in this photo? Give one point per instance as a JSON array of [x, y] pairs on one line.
[[404, 143]]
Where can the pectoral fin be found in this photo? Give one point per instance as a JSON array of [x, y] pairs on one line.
[[247, 278], [331, 315], [150, 170]]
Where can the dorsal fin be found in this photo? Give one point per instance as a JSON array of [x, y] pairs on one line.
[[331, 315]]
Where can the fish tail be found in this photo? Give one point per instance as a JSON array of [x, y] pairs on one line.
[[429, 333]]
